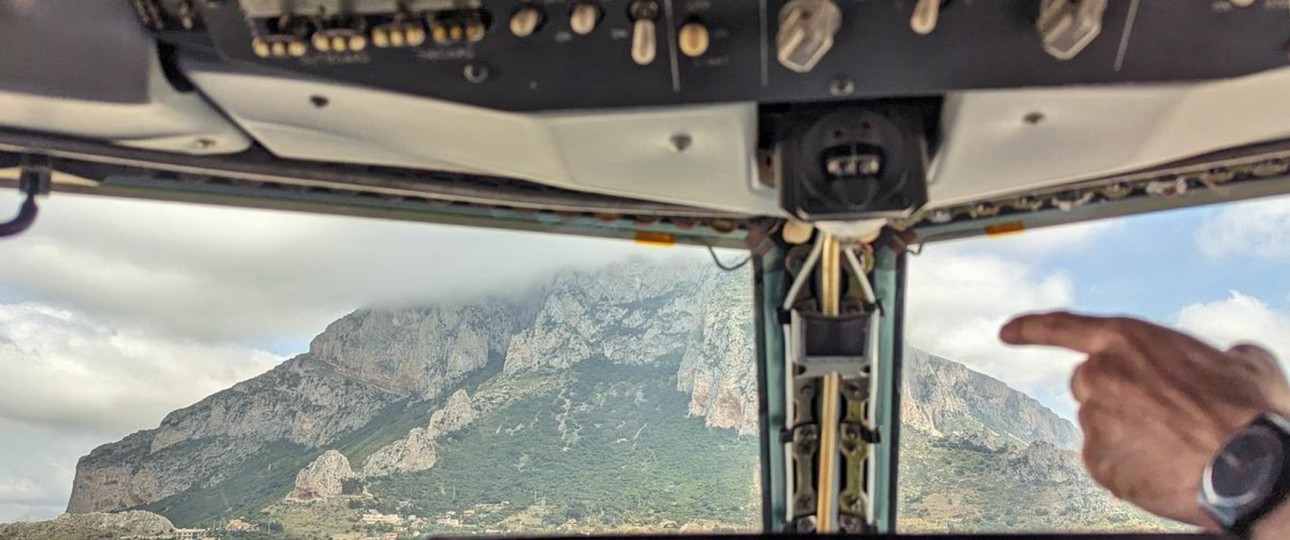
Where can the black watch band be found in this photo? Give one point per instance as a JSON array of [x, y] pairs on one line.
[[1243, 528]]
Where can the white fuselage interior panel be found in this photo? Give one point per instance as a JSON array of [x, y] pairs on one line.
[[992, 143]]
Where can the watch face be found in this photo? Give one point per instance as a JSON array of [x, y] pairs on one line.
[[1246, 470]]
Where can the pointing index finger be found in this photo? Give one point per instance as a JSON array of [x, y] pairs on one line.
[[1060, 329]]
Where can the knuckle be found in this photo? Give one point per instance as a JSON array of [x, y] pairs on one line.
[[1086, 417], [1097, 379], [1111, 387], [1118, 329], [1099, 467], [1104, 471], [1119, 489], [1080, 373], [1108, 333], [1080, 383], [1043, 323], [1127, 324], [1118, 323], [1092, 420], [1095, 370], [1090, 455]]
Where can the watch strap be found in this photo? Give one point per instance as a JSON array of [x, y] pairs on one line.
[[1243, 527]]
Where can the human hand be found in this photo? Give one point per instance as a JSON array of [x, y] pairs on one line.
[[1156, 404]]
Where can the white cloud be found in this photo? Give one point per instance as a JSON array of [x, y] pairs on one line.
[[72, 382], [67, 371], [16, 488], [1260, 228], [38, 465], [1239, 318], [1039, 243], [221, 274], [960, 293], [958, 300]]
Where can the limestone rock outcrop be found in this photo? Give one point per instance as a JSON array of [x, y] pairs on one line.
[[323, 478]]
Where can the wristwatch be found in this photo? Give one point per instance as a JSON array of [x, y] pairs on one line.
[[1250, 475]]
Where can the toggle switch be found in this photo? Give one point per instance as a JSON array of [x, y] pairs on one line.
[[644, 34]]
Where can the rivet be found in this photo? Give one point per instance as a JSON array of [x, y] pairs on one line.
[[842, 85], [680, 142], [476, 73]]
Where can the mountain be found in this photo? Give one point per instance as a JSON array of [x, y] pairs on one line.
[[91, 526], [945, 398], [979, 456], [622, 399], [384, 389]]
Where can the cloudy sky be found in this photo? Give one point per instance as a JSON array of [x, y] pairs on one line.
[[115, 312], [1219, 272]]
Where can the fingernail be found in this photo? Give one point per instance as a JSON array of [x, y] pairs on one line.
[[1008, 333]]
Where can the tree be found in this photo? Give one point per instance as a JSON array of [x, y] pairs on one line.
[[351, 486]]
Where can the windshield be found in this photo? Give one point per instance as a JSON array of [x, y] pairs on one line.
[[989, 435], [190, 371], [177, 371]]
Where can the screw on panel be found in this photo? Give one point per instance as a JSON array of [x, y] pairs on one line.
[[476, 73], [842, 85], [680, 142]]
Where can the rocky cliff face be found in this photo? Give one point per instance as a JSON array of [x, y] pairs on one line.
[[301, 401], [323, 478], [943, 398], [629, 313], [1044, 463], [625, 315], [418, 352], [717, 370], [417, 452], [458, 413], [630, 317]]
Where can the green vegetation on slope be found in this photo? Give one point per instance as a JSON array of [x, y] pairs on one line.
[[603, 442], [268, 475], [611, 443], [395, 421], [954, 488], [263, 478]]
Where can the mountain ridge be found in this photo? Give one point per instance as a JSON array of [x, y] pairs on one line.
[[393, 406], [372, 359], [928, 380]]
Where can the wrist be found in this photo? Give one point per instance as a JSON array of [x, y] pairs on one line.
[[1275, 525]]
